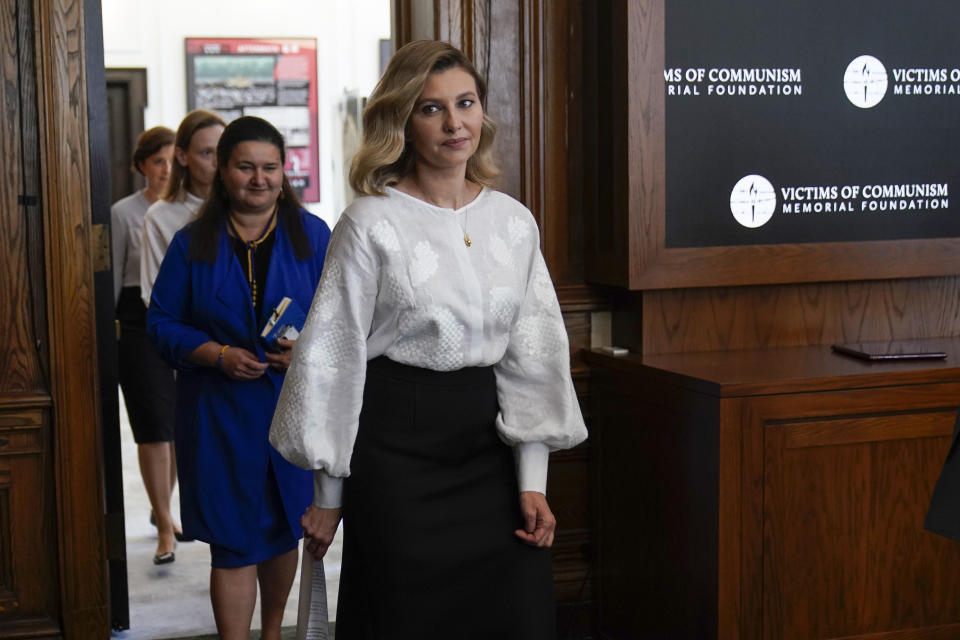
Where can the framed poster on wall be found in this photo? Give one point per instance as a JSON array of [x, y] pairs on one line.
[[272, 78], [769, 141]]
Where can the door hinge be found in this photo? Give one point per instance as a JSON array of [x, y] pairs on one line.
[[101, 247]]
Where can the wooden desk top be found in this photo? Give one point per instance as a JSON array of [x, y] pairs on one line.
[[783, 370]]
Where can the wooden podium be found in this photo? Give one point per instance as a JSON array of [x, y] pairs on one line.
[[772, 493]]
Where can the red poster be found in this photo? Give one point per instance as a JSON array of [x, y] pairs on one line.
[[272, 78]]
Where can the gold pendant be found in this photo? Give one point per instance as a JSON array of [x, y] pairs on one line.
[[466, 240]]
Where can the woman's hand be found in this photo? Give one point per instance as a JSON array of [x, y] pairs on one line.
[[240, 364], [280, 361], [319, 526], [538, 521]]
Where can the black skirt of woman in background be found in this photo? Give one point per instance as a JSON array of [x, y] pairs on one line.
[[147, 382], [429, 512]]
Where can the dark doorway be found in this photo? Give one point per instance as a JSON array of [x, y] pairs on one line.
[[126, 100]]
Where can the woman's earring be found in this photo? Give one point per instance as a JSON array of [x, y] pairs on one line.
[[282, 195]]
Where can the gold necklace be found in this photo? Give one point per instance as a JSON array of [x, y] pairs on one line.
[[251, 246], [466, 236], [463, 226]]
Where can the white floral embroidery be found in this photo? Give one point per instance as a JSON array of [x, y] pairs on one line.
[[541, 336], [430, 338], [423, 264], [326, 301], [500, 251], [396, 285], [385, 236], [543, 288], [517, 231], [394, 294], [332, 345], [502, 306]]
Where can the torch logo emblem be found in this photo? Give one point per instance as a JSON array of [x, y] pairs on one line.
[[753, 201], [865, 81]]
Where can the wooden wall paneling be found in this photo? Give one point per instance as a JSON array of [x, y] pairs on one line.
[[626, 225], [646, 136], [505, 102], [845, 477], [454, 23], [58, 34], [28, 570], [750, 590], [19, 359], [534, 115], [825, 469], [401, 27], [730, 513], [31, 188], [569, 493], [413, 20], [656, 514], [719, 319]]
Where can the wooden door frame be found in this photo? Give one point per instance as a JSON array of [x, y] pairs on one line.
[[65, 204], [101, 174]]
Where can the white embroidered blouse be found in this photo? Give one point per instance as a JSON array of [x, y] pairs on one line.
[[399, 280]]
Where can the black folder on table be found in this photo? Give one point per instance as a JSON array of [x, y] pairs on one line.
[[889, 350]]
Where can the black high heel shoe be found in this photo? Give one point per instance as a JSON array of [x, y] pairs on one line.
[[179, 535], [164, 558]]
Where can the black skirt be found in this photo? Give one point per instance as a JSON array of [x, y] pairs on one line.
[[429, 512], [147, 382]]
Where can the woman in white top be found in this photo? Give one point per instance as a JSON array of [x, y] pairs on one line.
[[146, 380], [195, 155], [433, 375]]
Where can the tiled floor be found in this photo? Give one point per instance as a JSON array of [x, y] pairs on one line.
[[173, 600]]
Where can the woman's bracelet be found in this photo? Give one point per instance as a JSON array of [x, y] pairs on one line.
[[223, 350]]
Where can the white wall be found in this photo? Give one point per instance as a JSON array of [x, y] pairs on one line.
[[137, 33]]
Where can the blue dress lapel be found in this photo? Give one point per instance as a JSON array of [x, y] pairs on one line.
[[232, 288], [273, 289]]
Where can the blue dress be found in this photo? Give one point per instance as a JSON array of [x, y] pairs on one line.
[[236, 492]]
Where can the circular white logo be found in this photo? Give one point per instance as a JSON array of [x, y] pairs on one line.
[[865, 81], [753, 201]]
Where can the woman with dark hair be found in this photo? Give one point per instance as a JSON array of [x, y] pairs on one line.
[[434, 371], [145, 379], [251, 245]]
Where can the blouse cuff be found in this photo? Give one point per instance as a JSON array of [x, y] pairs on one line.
[[532, 459], [327, 490]]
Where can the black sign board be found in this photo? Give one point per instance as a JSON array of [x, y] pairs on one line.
[[811, 122]]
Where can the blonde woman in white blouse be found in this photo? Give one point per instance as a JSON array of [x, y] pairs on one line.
[[432, 377]]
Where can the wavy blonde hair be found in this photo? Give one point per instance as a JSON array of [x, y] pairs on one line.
[[385, 156]]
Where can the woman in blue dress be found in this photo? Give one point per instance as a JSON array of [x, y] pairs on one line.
[[251, 245]]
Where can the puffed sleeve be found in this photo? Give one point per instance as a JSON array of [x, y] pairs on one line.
[[539, 411], [168, 312], [317, 415]]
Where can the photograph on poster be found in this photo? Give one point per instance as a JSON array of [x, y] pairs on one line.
[[271, 78]]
